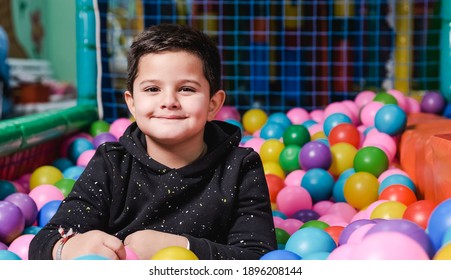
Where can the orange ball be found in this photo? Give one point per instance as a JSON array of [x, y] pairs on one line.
[[334, 232], [398, 193], [275, 184], [419, 212], [345, 132]]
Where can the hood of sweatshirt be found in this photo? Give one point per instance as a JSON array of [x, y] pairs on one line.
[[220, 137]]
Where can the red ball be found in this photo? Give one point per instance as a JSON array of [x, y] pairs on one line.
[[399, 193], [419, 212], [345, 132], [275, 184], [334, 232]]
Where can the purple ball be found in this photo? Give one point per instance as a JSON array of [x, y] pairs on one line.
[[3, 246], [26, 204], [305, 215], [408, 228], [315, 154], [433, 102], [102, 138], [12, 222], [350, 228]]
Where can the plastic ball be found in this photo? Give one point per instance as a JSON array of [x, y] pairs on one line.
[[315, 154], [26, 204], [12, 222], [272, 130], [65, 185], [20, 245], [6, 188], [281, 236], [397, 179], [398, 193], [298, 115], [235, 123], [370, 159], [385, 98], [444, 253], [292, 199], [333, 120], [296, 134], [228, 113], [32, 230], [45, 193], [275, 184], [103, 137], [45, 174], [130, 254], [73, 172], [290, 225], [413, 105], [91, 257], [99, 126], [368, 113], [343, 155], [433, 102], [270, 150], [118, 127], [62, 163], [439, 222], [305, 215], [319, 183], [294, 177], [255, 143], [174, 253], [334, 232], [317, 116], [389, 210], [254, 119], [279, 118], [310, 240], [390, 119], [345, 132], [336, 107], [361, 189], [78, 146], [271, 167], [315, 224], [364, 97], [85, 157], [47, 211], [289, 158], [350, 228], [8, 255], [382, 141], [280, 255], [419, 212]]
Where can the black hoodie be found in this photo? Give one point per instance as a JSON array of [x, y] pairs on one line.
[[220, 202]]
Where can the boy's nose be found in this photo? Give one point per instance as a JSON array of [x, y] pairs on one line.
[[170, 100]]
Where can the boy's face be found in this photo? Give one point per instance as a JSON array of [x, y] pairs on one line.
[[171, 99]]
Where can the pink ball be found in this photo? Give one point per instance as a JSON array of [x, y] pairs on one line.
[[118, 127], [130, 254], [292, 198], [290, 225], [333, 220], [364, 97], [85, 157], [317, 115], [294, 177], [368, 112], [44, 193], [359, 233], [400, 97], [322, 206], [336, 107], [382, 141], [315, 128], [66, 143], [369, 210], [391, 171], [342, 209], [278, 221], [20, 245], [413, 106], [389, 245], [228, 113], [342, 252], [359, 216], [254, 143], [298, 115], [353, 110]]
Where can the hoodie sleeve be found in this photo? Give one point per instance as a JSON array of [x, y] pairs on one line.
[[252, 233]]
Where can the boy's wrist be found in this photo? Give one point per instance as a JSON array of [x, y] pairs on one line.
[[65, 236]]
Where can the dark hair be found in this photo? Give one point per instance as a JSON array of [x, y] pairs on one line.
[[173, 37]]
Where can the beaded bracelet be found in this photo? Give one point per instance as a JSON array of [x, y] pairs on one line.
[[65, 236]]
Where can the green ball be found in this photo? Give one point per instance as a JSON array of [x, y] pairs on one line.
[[371, 159], [99, 126], [385, 98], [315, 224], [289, 158], [296, 134], [6, 188], [65, 185], [282, 236]]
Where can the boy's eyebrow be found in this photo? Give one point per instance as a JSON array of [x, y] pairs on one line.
[[181, 81]]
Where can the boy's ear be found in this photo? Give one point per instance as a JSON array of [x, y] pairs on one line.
[[216, 102], [130, 102]]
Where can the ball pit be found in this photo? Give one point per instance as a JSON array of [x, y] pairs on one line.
[[334, 183]]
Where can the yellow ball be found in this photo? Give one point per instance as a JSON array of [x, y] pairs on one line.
[[270, 150], [342, 157], [174, 253], [254, 119], [444, 253], [319, 135], [46, 174], [389, 210], [271, 167], [361, 189]]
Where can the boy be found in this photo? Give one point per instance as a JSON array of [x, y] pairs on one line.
[[176, 177]]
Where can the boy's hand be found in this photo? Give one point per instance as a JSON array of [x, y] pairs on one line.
[[145, 243], [92, 242]]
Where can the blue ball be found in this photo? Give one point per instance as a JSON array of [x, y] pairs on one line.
[[47, 211], [280, 118], [31, 230], [8, 255], [397, 179], [309, 123], [78, 146], [390, 119], [6, 188], [279, 214], [333, 120], [280, 254], [62, 163], [91, 257], [338, 190], [236, 123], [310, 240], [439, 223], [272, 130], [319, 183], [73, 172], [317, 256]]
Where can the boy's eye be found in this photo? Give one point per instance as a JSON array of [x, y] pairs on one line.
[[187, 89], [152, 89]]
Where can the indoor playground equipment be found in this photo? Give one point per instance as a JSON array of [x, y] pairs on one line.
[[283, 59]]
